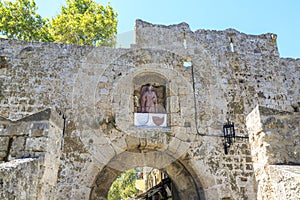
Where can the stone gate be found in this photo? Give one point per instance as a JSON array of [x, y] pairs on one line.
[[73, 117]]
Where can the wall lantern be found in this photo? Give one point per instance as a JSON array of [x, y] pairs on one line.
[[229, 135]]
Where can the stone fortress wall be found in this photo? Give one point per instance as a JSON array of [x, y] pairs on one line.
[[30, 155], [93, 140], [275, 146]]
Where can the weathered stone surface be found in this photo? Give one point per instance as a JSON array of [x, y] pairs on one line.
[[28, 178], [18, 147], [274, 138], [94, 88], [3, 155], [38, 129], [285, 181], [20, 179], [36, 144], [4, 143]]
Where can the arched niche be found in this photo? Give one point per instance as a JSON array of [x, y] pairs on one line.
[[150, 100], [114, 97]]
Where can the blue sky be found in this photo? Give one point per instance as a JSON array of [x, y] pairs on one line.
[[281, 17]]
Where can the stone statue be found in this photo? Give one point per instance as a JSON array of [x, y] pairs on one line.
[[148, 99]]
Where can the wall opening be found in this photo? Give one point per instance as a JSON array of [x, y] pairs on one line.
[[184, 39], [231, 45], [143, 183], [184, 181], [150, 104]]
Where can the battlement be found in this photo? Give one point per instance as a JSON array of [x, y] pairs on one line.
[[218, 42]]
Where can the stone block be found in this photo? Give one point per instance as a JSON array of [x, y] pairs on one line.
[[38, 144], [3, 127], [18, 146], [17, 129], [4, 143], [38, 129], [20, 178], [3, 154], [174, 104], [178, 147]]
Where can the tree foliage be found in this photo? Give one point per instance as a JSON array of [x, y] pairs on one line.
[[85, 22], [124, 186], [80, 22], [19, 20]]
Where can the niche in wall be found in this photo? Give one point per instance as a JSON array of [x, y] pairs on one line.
[[150, 100]]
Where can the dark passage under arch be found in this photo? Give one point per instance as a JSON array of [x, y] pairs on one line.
[[185, 181]]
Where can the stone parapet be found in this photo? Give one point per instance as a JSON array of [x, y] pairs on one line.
[[29, 136], [226, 41], [285, 181], [274, 139], [30, 152], [274, 135], [20, 179]]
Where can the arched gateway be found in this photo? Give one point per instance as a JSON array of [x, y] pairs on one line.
[[184, 179], [151, 136], [161, 103]]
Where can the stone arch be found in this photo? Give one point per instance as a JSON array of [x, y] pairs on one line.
[[113, 96], [187, 185], [116, 97]]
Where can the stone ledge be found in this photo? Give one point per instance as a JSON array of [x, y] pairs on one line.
[[294, 170], [276, 133], [285, 181], [11, 165], [43, 115]]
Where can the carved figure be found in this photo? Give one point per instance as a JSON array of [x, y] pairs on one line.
[[149, 99]]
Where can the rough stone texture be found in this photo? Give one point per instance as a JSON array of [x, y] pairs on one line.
[[33, 148], [275, 147], [93, 88], [20, 179], [285, 181]]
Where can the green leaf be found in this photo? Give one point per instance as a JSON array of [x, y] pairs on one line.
[[83, 22]]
